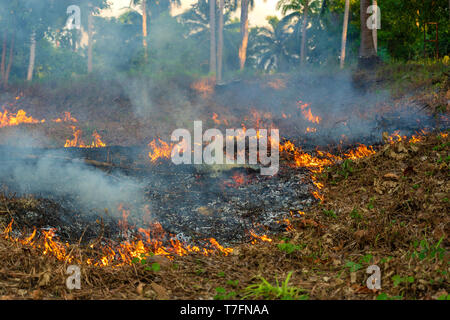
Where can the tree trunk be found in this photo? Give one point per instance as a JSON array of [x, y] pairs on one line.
[[375, 33], [10, 61], [212, 27], [32, 56], [144, 29], [90, 41], [3, 62], [220, 43], [367, 54], [244, 33], [344, 32], [304, 25]]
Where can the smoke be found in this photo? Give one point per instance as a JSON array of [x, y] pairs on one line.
[[50, 174]]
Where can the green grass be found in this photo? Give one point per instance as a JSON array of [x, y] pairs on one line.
[[263, 289]]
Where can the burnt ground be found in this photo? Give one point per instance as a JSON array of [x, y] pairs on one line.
[[390, 209]]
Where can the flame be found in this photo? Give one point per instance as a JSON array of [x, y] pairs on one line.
[[117, 254], [217, 121], [14, 119], [67, 118], [256, 237], [159, 150], [78, 142], [306, 112], [361, 152], [204, 86]]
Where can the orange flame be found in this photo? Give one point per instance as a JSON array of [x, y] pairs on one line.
[[78, 142], [14, 119]]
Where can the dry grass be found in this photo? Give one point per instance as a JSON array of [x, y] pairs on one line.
[[376, 211]]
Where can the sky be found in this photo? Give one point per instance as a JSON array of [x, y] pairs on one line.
[[257, 17]]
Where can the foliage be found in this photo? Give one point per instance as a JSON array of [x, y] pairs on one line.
[[264, 289]]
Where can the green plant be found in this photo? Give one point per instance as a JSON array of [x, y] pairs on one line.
[[346, 168], [424, 250], [223, 295], [385, 296], [354, 214], [398, 280], [289, 247], [264, 289], [330, 213], [353, 266], [155, 267], [233, 283], [371, 204]]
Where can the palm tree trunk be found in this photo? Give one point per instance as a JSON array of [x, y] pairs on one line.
[[367, 54], [32, 56], [4, 48], [344, 32], [304, 25], [10, 61], [374, 32], [144, 29], [212, 27], [220, 43], [244, 33], [90, 42]]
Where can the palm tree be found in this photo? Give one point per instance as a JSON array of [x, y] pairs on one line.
[[270, 46], [157, 7], [301, 10], [198, 27], [367, 53], [212, 38], [246, 5], [344, 32], [220, 43]]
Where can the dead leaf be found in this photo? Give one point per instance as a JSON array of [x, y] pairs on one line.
[[140, 289], [391, 176], [160, 291]]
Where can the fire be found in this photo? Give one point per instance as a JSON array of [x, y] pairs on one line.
[[256, 237], [78, 142], [117, 254], [306, 112], [14, 119], [67, 118], [204, 86], [361, 152], [217, 121], [316, 164], [159, 150]]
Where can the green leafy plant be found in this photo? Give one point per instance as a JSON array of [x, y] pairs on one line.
[[289, 248], [223, 295], [330, 213], [346, 168], [371, 204], [398, 280], [424, 250], [264, 289], [385, 296], [149, 266], [353, 266], [354, 214]]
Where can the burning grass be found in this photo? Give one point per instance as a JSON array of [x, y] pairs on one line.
[[389, 209]]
